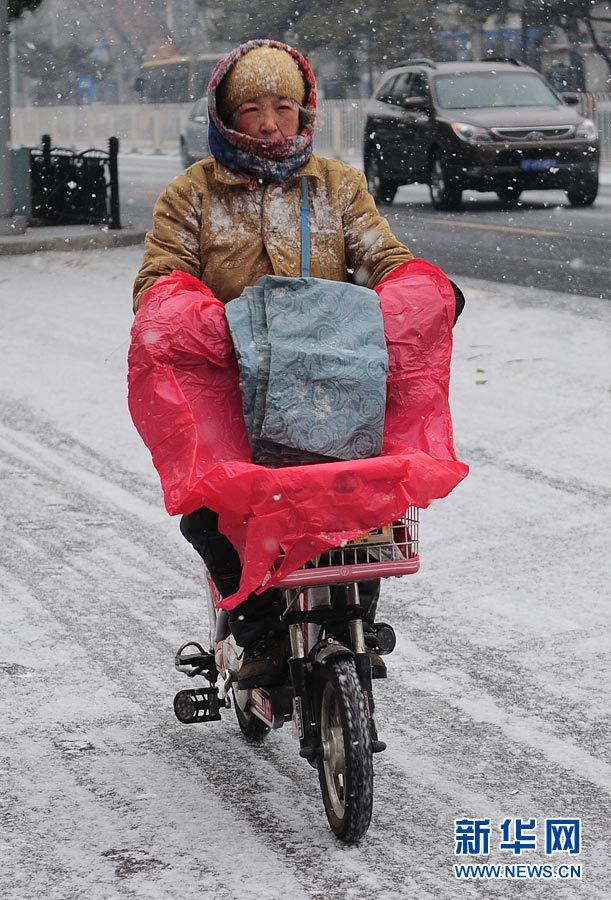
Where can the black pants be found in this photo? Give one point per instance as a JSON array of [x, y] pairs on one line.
[[259, 613]]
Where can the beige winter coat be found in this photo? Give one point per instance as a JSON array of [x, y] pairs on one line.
[[218, 226]]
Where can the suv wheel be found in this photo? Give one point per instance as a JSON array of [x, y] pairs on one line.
[[508, 194], [445, 194], [584, 193], [381, 189]]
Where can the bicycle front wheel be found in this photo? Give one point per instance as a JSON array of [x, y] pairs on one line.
[[345, 768]]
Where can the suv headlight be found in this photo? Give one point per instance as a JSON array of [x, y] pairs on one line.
[[471, 133], [587, 131]]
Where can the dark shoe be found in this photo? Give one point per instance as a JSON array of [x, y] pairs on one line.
[[378, 666], [264, 663]]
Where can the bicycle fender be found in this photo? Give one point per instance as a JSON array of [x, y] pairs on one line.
[[334, 651]]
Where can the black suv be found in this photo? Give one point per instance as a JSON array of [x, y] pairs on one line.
[[487, 126]]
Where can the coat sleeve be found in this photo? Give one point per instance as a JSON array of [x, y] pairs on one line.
[[174, 240], [372, 250]]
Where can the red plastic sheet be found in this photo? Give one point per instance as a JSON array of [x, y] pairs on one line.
[[185, 401]]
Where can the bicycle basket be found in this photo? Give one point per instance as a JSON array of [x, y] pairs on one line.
[[391, 551]]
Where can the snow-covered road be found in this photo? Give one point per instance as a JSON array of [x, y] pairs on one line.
[[498, 699]]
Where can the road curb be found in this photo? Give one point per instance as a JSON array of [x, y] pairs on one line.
[[68, 239]]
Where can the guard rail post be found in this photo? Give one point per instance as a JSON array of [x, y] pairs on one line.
[[113, 168], [46, 153]]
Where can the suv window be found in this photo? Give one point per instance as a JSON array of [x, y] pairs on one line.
[[385, 92], [476, 90], [400, 88], [419, 86]]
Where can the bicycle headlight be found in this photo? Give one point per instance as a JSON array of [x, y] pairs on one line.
[[473, 134], [387, 639], [587, 131]]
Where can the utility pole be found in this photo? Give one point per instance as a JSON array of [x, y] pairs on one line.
[[9, 222]]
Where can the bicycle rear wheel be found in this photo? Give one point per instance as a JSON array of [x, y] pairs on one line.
[[251, 726], [345, 769]]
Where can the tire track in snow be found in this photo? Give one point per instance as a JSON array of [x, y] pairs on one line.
[[591, 492], [94, 648], [289, 815], [281, 778], [391, 851]]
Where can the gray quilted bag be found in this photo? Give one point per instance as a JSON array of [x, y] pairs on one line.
[[313, 366]]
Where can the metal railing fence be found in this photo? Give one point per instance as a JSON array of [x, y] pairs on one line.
[[156, 129], [72, 188]]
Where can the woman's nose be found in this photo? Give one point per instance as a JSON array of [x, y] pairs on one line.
[[268, 123]]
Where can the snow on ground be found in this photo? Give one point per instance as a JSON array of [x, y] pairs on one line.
[[499, 692]]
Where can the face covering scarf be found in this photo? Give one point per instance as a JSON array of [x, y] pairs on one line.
[[265, 161]]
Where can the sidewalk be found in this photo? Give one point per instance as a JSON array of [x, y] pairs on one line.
[[69, 237]]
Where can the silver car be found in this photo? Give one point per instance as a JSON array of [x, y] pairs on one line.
[[194, 136]]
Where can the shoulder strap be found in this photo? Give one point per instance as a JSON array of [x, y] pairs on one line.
[[305, 229]]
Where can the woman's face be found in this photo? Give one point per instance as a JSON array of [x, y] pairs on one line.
[[268, 118]]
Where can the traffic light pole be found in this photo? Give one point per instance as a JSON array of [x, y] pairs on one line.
[[9, 222]]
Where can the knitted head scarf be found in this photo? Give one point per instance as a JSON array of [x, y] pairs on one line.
[[252, 70]]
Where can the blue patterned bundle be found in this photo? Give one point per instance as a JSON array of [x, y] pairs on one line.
[[313, 366]]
